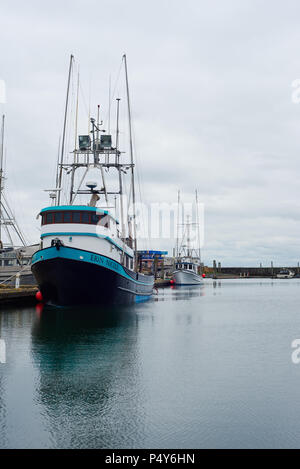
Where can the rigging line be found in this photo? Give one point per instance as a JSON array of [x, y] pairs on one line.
[[109, 102], [138, 164], [113, 94], [2, 195], [16, 201], [8, 232], [1, 168], [11, 218], [140, 185], [76, 118], [177, 231], [58, 152], [11, 215], [183, 238], [124, 58], [84, 99], [198, 225], [69, 133]]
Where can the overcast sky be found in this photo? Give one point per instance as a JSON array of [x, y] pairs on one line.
[[211, 85]]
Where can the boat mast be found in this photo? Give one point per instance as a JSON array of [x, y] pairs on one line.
[[177, 235], [131, 160], [1, 174], [76, 114], [188, 235], [59, 188], [120, 172], [198, 227]]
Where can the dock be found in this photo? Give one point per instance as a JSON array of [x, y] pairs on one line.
[[18, 295], [159, 283], [26, 294]]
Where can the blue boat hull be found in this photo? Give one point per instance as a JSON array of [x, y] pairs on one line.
[[69, 276]]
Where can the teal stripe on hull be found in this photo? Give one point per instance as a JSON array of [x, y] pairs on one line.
[[82, 256]]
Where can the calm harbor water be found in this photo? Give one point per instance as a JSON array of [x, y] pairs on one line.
[[194, 367]]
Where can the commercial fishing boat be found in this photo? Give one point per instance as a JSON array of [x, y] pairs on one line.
[[88, 255], [188, 260]]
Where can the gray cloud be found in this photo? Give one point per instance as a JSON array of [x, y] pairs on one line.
[[211, 92]]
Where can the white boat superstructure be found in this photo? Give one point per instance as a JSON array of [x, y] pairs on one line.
[[285, 273], [86, 228]]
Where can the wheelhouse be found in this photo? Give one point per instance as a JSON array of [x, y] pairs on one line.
[[186, 266], [78, 215]]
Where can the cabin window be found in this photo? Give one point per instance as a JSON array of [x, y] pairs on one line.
[[131, 264], [67, 217], [85, 217], [58, 217], [190, 267], [76, 217], [185, 266], [49, 218]]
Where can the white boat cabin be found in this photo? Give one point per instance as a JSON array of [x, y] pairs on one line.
[[87, 228], [187, 265]]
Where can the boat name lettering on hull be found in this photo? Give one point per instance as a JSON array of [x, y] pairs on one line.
[[107, 262]]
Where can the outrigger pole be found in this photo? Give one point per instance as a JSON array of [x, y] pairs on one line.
[[131, 160], [1, 173], [59, 188]]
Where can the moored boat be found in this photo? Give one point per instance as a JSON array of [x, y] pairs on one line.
[[87, 255], [188, 260], [187, 272], [285, 273]]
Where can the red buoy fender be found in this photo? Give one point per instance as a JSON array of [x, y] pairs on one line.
[[39, 296]]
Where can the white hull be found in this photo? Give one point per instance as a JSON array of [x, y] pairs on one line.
[[185, 277]]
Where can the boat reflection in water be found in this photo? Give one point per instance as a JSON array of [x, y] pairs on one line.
[[185, 292], [88, 366]]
